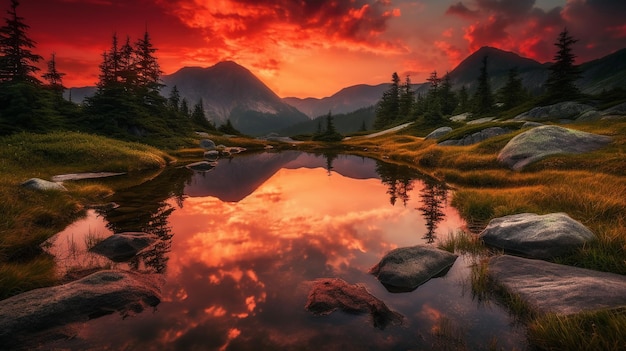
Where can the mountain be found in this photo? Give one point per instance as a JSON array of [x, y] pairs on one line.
[[499, 62], [344, 123], [346, 100], [230, 91], [604, 73]]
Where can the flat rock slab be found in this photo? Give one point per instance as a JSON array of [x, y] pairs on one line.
[[406, 268], [121, 247], [42, 185], [25, 317], [477, 137], [554, 288], [330, 294], [79, 176], [201, 166], [541, 142], [561, 110], [536, 236]]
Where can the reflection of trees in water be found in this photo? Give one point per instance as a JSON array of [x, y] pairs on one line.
[[144, 208], [398, 179], [330, 158], [433, 196]]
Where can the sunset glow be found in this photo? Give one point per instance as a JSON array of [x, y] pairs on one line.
[[315, 48]]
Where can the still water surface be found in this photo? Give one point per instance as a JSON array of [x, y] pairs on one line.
[[241, 244]]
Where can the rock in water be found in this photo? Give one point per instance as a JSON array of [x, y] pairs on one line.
[[536, 236], [554, 288], [26, 317], [540, 142], [43, 185], [331, 294], [122, 247], [404, 269]]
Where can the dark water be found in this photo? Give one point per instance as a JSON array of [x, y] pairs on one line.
[[241, 244]]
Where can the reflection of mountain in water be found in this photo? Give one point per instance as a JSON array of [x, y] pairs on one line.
[[232, 180]]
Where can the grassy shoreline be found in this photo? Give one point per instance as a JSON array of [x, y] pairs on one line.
[[591, 188]]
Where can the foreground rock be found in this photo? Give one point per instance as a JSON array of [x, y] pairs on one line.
[[477, 137], [438, 133], [122, 247], [536, 236], [404, 269], [540, 142], [554, 288], [331, 294], [43, 313], [42, 185]]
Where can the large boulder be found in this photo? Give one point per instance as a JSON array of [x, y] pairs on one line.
[[43, 185], [330, 294], [207, 144], [438, 133], [561, 110], [540, 142], [45, 312], [122, 247], [477, 137], [536, 236], [406, 268], [553, 288]]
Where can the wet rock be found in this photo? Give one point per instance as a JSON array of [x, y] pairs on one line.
[[536, 236], [554, 288], [331, 294], [477, 137], [43, 185], [438, 133], [538, 143], [45, 312], [561, 110], [201, 166], [406, 268], [212, 155], [121, 247], [207, 144]]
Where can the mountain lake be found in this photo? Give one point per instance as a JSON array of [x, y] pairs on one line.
[[240, 246]]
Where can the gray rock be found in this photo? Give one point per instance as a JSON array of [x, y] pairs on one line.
[[536, 236], [531, 125], [561, 110], [43, 185], [477, 137], [438, 133], [331, 294], [554, 288], [80, 176], [212, 155], [538, 143], [207, 144], [406, 268], [121, 247], [618, 110], [24, 318], [201, 166], [591, 115]]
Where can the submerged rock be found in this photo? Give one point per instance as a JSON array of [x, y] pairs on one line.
[[554, 288], [43, 185], [537, 236], [331, 294], [201, 166], [28, 317], [406, 268], [122, 247], [540, 142]]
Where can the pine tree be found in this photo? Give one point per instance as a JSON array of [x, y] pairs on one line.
[[561, 85], [17, 61], [483, 98], [464, 104], [447, 97], [407, 100], [53, 76], [388, 107], [432, 108], [512, 93], [184, 108], [173, 101]]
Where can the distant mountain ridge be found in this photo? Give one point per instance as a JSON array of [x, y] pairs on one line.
[[230, 91]]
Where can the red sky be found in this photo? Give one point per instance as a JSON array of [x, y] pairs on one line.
[[316, 47]]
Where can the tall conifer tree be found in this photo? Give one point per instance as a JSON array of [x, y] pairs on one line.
[[17, 61]]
